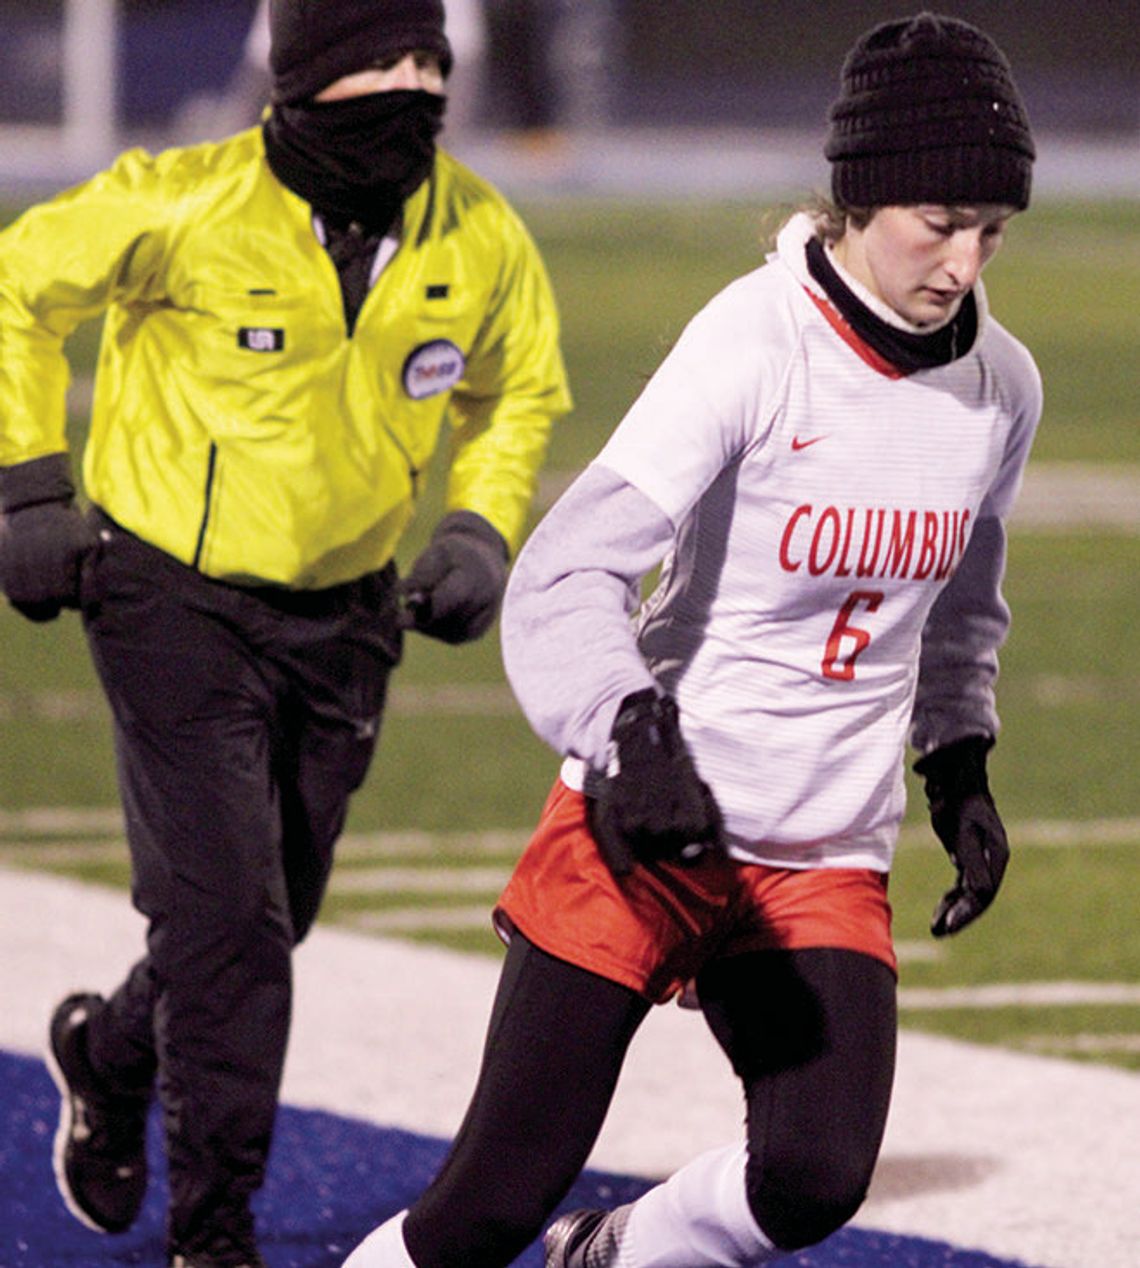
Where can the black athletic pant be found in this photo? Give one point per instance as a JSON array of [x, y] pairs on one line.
[[810, 1033], [244, 719]]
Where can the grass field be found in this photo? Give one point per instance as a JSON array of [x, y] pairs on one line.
[[460, 779]]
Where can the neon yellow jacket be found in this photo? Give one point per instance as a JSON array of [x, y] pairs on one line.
[[236, 424]]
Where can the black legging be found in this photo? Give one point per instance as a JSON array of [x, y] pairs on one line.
[[810, 1033]]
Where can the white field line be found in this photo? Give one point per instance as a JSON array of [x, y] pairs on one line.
[[26, 827], [421, 919], [419, 880], [495, 700], [1081, 1045], [86, 704], [1021, 995], [1025, 1156], [1055, 496]]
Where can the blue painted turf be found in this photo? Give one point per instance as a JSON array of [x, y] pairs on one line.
[[331, 1180]]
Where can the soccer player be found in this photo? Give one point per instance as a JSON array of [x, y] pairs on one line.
[[293, 316], [824, 462]]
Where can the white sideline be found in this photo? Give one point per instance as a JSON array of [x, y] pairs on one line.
[[1023, 1156]]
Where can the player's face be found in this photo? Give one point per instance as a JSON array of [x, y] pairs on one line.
[[922, 260], [417, 70]]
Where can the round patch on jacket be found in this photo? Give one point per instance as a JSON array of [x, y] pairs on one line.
[[432, 368]]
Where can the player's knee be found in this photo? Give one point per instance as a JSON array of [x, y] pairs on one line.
[[801, 1207]]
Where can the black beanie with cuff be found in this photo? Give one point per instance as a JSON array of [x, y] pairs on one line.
[[312, 43], [928, 112]]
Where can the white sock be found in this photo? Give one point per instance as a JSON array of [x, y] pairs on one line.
[[383, 1247], [699, 1218]]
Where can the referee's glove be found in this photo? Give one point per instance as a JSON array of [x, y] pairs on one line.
[[966, 821], [44, 537], [454, 588], [651, 804]]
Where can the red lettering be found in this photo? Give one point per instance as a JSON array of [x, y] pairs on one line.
[[866, 566], [900, 547], [785, 557], [929, 552], [829, 517], [949, 545], [841, 568]]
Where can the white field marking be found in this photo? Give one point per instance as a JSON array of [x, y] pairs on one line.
[[420, 919], [425, 919], [1008, 1151], [1055, 496], [1021, 995], [1090, 1045], [86, 704], [422, 880], [495, 699], [19, 828], [915, 952], [1059, 496], [1046, 833]]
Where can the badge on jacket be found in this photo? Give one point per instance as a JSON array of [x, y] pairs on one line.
[[261, 338], [431, 368]]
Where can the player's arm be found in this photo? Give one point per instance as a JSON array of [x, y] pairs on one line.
[[955, 720], [571, 657], [955, 723], [568, 644]]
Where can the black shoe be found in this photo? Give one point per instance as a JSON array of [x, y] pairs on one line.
[[207, 1259], [231, 1244], [100, 1144], [585, 1239]]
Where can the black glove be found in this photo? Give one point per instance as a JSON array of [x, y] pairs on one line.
[[44, 538], [967, 823], [651, 804], [453, 589]]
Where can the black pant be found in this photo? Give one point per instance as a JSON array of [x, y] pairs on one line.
[[810, 1033], [244, 719]]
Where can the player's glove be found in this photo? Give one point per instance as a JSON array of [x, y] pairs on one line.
[[966, 821], [651, 803], [44, 538], [454, 588]]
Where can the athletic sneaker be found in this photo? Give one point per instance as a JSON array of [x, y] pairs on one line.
[[229, 1244], [100, 1145], [585, 1239], [210, 1260]]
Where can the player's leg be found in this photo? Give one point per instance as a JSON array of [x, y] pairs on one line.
[[555, 1045], [812, 1036]]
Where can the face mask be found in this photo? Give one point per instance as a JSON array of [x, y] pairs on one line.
[[359, 158]]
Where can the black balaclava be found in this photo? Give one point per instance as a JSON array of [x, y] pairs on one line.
[[358, 159]]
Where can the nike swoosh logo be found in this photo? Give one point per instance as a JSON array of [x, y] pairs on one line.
[[798, 444]]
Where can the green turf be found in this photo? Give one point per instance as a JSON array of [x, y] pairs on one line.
[[627, 278]]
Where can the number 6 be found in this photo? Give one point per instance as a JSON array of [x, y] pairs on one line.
[[844, 670]]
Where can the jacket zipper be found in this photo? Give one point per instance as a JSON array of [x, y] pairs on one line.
[[211, 465]]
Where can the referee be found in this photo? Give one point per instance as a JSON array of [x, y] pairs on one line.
[[292, 317]]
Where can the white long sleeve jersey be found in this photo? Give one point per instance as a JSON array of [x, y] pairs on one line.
[[818, 503]]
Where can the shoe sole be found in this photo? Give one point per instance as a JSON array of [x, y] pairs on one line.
[[59, 1145]]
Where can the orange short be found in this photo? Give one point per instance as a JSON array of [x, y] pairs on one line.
[[655, 928]]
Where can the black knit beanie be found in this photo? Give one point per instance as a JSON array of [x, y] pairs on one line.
[[928, 113], [314, 42]]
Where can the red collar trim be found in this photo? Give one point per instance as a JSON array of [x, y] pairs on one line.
[[846, 332]]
